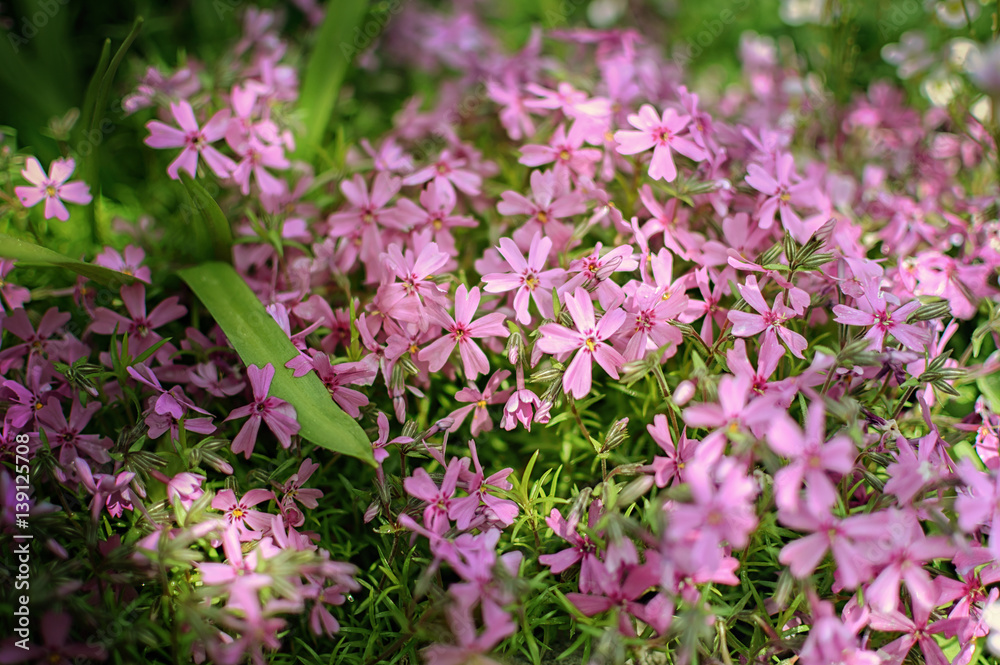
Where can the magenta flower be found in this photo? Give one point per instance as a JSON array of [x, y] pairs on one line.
[[782, 190], [588, 337], [68, 436], [15, 296], [416, 295], [465, 510], [108, 490], [476, 403], [529, 278], [813, 458], [278, 414], [769, 319], [873, 310], [439, 499], [194, 140], [582, 549], [250, 524], [52, 188], [254, 157], [979, 504], [661, 134], [140, 327], [130, 264], [551, 201], [460, 331]]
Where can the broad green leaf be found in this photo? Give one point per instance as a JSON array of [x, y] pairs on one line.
[[326, 68], [211, 214], [259, 340], [29, 254]]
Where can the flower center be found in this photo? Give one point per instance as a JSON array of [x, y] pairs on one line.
[[542, 217], [531, 281], [591, 344], [238, 513], [50, 191], [564, 154], [481, 404]]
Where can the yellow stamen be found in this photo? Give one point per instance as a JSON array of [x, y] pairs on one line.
[[237, 513]]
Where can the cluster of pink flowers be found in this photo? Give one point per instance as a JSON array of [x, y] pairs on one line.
[[699, 246]]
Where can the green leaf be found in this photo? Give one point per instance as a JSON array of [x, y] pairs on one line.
[[29, 254], [259, 340], [326, 68], [215, 220], [989, 385]]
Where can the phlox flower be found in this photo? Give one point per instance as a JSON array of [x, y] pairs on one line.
[[461, 331], [193, 139], [128, 262], [278, 414], [52, 188], [438, 499], [67, 434], [15, 296], [873, 309], [552, 200], [812, 459], [476, 403], [528, 278], [782, 190], [661, 134], [769, 320], [566, 150], [588, 340], [108, 490], [249, 524]]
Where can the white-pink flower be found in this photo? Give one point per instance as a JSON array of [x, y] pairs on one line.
[[52, 188]]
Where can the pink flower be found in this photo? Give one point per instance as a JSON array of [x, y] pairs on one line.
[[813, 458], [255, 155], [292, 492], [551, 201], [108, 490], [278, 414], [582, 549], [250, 524], [129, 264], [448, 173], [588, 338], [439, 499], [139, 326], [53, 188], [529, 278], [670, 468], [195, 141], [68, 436], [979, 504], [477, 402], [14, 295], [464, 509], [566, 150], [782, 190], [873, 310], [460, 331], [661, 134], [769, 319], [416, 295]]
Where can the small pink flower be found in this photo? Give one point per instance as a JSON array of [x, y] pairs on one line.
[[528, 279], [460, 331], [194, 140], [278, 414], [588, 338], [53, 188], [249, 523], [661, 134]]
